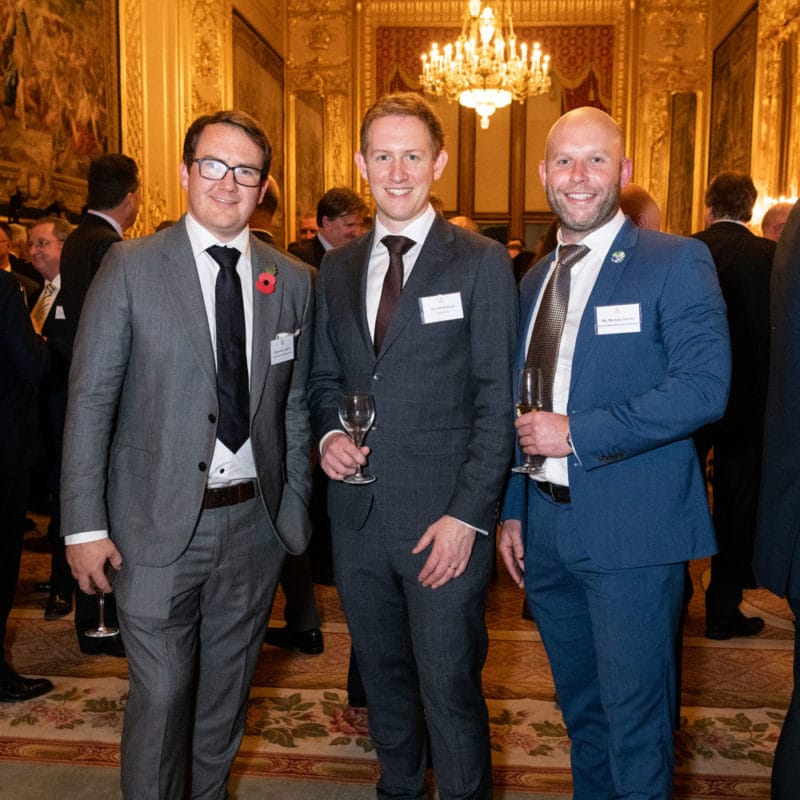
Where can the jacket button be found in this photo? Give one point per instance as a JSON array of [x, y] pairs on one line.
[[376, 377], [212, 418], [202, 466]]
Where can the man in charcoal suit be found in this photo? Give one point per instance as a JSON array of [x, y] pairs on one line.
[[340, 217], [776, 560], [186, 458], [413, 551], [599, 538], [46, 242], [112, 207], [744, 262], [24, 362]]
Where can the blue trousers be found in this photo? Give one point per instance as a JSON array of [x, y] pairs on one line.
[[609, 635]]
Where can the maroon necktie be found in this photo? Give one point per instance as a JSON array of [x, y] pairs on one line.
[[549, 323], [392, 285], [233, 388]]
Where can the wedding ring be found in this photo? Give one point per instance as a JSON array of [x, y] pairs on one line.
[[453, 566]]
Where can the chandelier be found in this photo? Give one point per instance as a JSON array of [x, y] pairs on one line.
[[482, 69]]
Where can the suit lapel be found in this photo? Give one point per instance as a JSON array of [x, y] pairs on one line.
[[357, 286], [183, 286], [266, 317], [623, 251], [434, 256]]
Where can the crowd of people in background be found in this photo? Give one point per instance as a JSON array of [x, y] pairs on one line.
[[174, 398]]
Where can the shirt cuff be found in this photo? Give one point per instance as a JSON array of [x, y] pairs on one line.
[[328, 436], [477, 530], [85, 536]]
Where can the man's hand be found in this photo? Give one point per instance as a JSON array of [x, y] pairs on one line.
[[452, 546], [88, 561], [513, 551], [543, 433], [340, 457]]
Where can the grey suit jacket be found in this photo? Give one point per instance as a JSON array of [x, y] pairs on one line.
[[443, 434], [141, 420]]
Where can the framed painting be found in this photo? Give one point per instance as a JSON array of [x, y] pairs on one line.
[[309, 151], [60, 99], [683, 113], [258, 78], [732, 97]]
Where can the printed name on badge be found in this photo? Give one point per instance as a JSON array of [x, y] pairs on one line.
[[281, 348], [440, 308], [618, 319]]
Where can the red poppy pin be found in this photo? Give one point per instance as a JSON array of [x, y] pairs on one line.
[[267, 280]]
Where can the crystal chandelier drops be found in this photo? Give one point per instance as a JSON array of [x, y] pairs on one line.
[[483, 69]]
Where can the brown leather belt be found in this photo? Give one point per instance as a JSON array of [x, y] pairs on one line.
[[229, 495], [559, 494]]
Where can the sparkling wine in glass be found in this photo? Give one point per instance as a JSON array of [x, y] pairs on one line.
[[357, 413], [530, 398]]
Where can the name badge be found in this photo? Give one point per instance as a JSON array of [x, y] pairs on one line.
[[440, 308], [60, 312], [618, 319], [281, 348]]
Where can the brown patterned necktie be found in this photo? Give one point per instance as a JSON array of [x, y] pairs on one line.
[[397, 246], [549, 323], [233, 385]]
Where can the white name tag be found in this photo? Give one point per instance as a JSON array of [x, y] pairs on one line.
[[440, 308], [281, 348], [618, 319], [60, 312]]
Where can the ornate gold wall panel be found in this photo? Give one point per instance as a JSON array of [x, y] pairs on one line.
[[671, 47], [776, 162]]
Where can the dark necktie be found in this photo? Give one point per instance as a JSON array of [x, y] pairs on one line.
[[397, 246], [549, 323], [232, 379]]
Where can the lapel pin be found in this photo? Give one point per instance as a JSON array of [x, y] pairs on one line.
[[618, 256]]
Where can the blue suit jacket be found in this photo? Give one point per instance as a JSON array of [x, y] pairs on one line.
[[636, 398]]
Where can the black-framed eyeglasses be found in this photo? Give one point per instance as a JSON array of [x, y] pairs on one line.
[[214, 170]]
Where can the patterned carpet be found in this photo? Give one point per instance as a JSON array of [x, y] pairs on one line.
[[299, 726]]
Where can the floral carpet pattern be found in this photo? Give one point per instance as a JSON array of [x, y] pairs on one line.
[[82, 721]]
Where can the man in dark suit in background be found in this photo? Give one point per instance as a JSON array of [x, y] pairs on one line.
[[340, 216], [46, 241], [186, 458], [10, 263], [743, 262], [261, 220], [776, 560], [24, 361], [112, 207], [599, 537], [413, 551]]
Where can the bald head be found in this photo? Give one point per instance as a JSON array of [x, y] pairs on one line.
[[583, 171], [774, 219], [640, 206]]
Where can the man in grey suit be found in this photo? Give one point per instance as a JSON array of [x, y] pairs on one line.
[[186, 458], [413, 551]]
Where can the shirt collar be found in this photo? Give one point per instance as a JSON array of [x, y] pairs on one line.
[[600, 240], [110, 220], [417, 229], [201, 239]]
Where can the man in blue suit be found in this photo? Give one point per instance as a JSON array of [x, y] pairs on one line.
[[620, 503]]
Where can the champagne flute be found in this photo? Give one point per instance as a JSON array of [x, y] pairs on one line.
[[530, 398], [357, 413], [102, 631]]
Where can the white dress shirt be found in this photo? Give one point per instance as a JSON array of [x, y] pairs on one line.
[[583, 276]]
